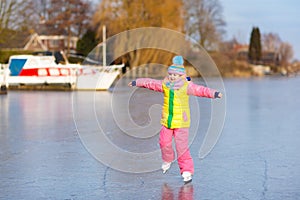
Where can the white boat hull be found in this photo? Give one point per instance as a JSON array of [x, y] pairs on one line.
[[98, 81], [36, 80], [42, 70]]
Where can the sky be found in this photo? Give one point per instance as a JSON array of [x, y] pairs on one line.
[[270, 16]]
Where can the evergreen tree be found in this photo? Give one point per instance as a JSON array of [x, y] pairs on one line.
[[87, 43], [254, 52]]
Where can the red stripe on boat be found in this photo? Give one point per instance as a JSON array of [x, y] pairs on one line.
[[45, 72]]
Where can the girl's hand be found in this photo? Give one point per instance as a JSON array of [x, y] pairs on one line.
[[132, 83], [218, 95]]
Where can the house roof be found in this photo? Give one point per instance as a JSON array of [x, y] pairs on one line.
[[30, 41], [14, 39]]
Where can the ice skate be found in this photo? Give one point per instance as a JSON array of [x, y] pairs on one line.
[[187, 177], [165, 166]]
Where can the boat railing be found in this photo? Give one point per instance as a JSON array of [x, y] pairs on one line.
[[108, 69]]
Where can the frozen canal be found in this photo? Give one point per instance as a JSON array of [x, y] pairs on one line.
[[51, 146]]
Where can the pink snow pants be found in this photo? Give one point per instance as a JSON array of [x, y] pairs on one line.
[[184, 158]]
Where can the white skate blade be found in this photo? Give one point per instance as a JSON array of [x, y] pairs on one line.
[[188, 181], [165, 167], [187, 177]]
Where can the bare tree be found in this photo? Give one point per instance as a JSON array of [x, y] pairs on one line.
[[16, 17], [204, 22], [68, 17], [122, 15], [286, 53], [271, 42], [16, 14], [8, 11]]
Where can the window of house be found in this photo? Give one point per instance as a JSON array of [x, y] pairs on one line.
[[54, 43]]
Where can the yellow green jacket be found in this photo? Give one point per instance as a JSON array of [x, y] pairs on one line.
[[176, 111]]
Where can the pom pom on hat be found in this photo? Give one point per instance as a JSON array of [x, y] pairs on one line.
[[178, 60], [177, 67]]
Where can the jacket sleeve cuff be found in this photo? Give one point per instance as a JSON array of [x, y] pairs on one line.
[[217, 95]]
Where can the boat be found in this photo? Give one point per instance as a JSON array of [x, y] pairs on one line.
[[33, 70]]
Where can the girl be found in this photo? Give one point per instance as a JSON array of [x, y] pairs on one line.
[[176, 114]]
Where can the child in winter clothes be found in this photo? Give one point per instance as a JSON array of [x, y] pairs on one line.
[[176, 114]]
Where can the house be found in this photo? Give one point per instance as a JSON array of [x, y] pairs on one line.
[[241, 51], [267, 57], [36, 42], [51, 43], [270, 58]]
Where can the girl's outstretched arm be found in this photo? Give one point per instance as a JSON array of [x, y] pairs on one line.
[[149, 83], [201, 91]]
